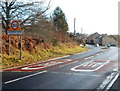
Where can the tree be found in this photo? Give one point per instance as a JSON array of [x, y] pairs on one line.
[[59, 20], [25, 11]]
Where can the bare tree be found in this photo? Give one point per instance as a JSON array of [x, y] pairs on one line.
[[25, 11]]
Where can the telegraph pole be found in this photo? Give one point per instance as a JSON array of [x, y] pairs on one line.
[[74, 27], [82, 33]]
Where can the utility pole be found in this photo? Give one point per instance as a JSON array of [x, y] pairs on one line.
[[74, 27], [82, 33], [81, 30]]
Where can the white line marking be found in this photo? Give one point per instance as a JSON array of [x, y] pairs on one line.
[[58, 58], [68, 64], [24, 77], [90, 62], [106, 81], [86, 63], [89, 57], [27, 68], [44, 65], [82, 52], [85, 74], [97, 54], [112, 82], [75, 74]]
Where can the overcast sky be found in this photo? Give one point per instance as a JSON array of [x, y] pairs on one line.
[[92, 15]]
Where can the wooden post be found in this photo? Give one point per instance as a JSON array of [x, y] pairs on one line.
[[20, 47]]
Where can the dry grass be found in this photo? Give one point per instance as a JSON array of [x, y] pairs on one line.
[[40, 54]]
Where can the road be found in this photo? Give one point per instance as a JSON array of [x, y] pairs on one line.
[[89, 70]]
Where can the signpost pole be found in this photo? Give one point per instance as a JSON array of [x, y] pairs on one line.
[[15, 30], [74, 28], [8, 45], [20, 47]]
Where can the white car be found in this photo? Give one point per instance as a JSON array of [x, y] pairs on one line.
[[107, 45], [96, 45], [81, 45]]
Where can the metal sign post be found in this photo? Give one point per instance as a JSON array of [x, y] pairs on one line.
[[8, 45], [15, 30], [20, 47]]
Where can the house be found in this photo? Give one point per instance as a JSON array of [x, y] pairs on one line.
[[104, 39], [93, 38], [100, 39]]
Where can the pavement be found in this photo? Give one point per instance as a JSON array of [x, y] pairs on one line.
[[92, 70]]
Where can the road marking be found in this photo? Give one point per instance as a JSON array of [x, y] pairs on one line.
[[111, 78], [82, 52], [44, 65], [89, 57], [112, 82], [69, 64], [59, 57], [86, 74], [97, 54], [90, 65], [24, 77], [75, 74]]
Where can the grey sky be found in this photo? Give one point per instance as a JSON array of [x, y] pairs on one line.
[[91, 15]]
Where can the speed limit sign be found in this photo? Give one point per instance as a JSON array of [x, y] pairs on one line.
[[14, 28], [14, 25]]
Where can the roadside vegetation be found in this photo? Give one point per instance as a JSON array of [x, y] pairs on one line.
[[43, 38], [35, 50]]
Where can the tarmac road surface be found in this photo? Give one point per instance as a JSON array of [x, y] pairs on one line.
[[90, 70]]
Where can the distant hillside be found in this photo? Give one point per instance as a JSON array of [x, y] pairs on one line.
[[116, 37]]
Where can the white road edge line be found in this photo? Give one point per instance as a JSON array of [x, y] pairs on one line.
[[88, 57], [109, 79], [97, 54], [82, 52], [112, 82], [58, 58], [68, 64], [24, 77], [75, 74]]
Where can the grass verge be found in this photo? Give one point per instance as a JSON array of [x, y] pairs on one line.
[[40, 54]]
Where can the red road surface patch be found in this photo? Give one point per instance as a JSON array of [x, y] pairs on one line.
[[92, 66], [110, 65], [42, 65]]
